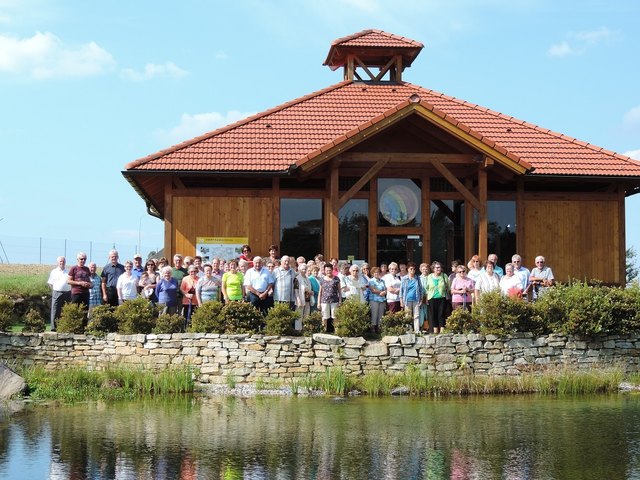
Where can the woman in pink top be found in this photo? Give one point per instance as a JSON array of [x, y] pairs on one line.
[[461, 289]]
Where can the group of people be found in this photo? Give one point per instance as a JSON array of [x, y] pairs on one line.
[[426, 292]]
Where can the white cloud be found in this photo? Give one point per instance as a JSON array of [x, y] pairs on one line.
[[45, 56], [193, 125], [576, 43], [561, 50], [152, 70], [633, 154]]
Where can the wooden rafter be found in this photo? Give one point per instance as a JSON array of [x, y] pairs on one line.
[[379, 165], [461, 158], [446, 173]]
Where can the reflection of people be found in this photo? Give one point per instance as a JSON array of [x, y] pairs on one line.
[[60, 290]]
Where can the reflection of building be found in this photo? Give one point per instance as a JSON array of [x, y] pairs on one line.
[[483, 181]]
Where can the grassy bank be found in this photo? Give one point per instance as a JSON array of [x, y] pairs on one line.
[[414, 382], [118, 383], [24, 280]]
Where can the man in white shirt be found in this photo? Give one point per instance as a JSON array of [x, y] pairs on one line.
[[258, 282], [283, 277], [60, 290], [521, 272]]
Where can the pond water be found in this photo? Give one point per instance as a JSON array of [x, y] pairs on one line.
[[524, 437]]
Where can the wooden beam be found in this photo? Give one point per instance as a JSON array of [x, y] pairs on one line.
[[365, 68], [384, 69], [469, 231], [168, 219], [275, 198], [398, 76], [363, 181], [458, 158], [373, 223], [426, 218], [622, 258], [178, 182], [444, 171], [483, 224], [520, 243], [333, 220]]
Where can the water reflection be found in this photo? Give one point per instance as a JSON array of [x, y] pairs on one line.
[[471, 438]]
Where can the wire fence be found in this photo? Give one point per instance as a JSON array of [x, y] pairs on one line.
[[45, 251]]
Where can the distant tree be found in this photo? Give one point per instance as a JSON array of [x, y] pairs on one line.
[[632, 264]]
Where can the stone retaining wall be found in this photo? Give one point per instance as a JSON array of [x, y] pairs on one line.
[[247, 357]]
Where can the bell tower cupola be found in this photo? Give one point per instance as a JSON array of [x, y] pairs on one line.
[[373, 56]]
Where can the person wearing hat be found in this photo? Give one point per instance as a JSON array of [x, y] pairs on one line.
[[138, 270]]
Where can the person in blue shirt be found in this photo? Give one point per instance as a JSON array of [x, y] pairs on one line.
[[411, 293]]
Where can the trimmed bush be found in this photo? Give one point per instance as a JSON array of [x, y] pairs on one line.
[[71, 319], [312, 324], [461, 321], [6, 313], [33, 321], [503, 315], [280, 320], [102, 321], [208, 319], [166, 323], [396, 323], [135, 316], [353, 319], [241, 317]]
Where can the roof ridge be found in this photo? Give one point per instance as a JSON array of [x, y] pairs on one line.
[[231, 126], [532, 126], [363, 33]]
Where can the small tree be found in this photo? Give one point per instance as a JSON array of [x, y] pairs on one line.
[[208, 319], [353, 319], [6, 312], [103, 320], [72, 318], [280, 320], [241, 317], [135, 316], [33, 321]]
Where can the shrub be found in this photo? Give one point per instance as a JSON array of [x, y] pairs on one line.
[[72, 318], [312, 324], [135, 316], [503, 315], [166, 323], [6, 312], [461, 321], [33, 321], [102, 321], [208, 319], [396, 323], [241, 317], [353, 319], [280, 320], [626, 308]]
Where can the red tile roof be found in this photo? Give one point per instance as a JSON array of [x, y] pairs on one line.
[[297, 131], [376, 38]]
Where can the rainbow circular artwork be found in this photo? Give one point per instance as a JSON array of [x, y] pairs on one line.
[[398, 205]]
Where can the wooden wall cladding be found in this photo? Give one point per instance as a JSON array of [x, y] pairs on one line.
[[223, 217], [578, 238]]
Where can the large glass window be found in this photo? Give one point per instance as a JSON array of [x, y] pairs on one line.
[[447, 231], [399, 202], [501, 229], [399, 248], [301, 226], [354, 229]]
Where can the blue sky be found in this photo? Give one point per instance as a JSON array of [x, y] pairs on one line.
[[86, 87]]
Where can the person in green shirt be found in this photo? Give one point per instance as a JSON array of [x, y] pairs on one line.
[[437, 287], [233, 283]]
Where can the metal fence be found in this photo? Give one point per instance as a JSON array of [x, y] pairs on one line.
[[41, 250]]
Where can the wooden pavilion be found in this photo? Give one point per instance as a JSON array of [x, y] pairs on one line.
[[379, 169]]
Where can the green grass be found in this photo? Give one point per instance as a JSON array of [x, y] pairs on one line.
[[562, 381], [24, 284], [118, 383]]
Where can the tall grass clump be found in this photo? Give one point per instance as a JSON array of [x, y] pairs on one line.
[[376, 383]]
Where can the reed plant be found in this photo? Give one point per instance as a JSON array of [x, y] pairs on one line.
[[75, 384]]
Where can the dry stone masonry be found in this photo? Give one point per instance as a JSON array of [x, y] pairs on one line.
[[248, 357]]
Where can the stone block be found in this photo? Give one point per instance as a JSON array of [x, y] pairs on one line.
[[390, 339], [519, 343], [445, 358], [395, 352], [444, 340], [459, 338], [407, 339], [355, 342], [376, 349], [351, 352], [496, 357], [327, 339], [462, 348], [410, 352], [546, 351]]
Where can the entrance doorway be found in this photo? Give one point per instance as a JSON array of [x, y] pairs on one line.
[[399, 248]]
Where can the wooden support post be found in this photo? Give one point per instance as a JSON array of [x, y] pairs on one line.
[[520, 243], [169, 247], [373, 222], [426, 218], [275, 198], [332, 221], [622, 253], [469, 233], [483, 224]]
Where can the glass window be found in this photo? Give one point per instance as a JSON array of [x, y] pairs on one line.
[[447, 231], [300, 226], [399, 248], [399, 202], [354, 229], [501, 229]]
